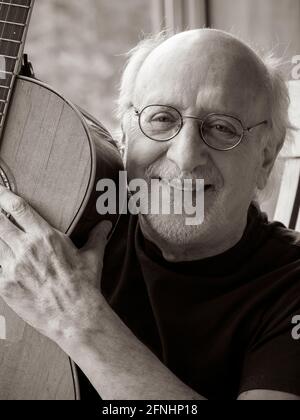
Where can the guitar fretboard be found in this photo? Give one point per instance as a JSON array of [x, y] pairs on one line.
[[14, 20]]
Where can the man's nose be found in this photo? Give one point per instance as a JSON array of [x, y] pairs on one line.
[[187, 150]]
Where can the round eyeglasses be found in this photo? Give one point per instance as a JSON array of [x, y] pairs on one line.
[[219, 131]]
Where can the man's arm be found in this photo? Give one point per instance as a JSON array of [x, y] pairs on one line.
[[54, 287], [119, 366]]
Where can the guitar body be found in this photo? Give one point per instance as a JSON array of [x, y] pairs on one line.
[[52, 156]]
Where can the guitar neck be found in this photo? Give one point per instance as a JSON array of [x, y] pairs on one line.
[[14, 20]]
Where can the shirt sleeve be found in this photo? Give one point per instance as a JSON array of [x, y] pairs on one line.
[[272, 361]]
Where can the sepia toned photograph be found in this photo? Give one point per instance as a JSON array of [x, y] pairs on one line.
[[149, 203]]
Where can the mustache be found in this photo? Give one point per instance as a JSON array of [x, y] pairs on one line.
[[169, 171]]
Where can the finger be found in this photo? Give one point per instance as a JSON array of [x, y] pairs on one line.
[[9, 232], [24, 215], [7, 256], [10, 238], [98, 238]]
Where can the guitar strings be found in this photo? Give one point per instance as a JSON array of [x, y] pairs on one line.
[[3, 29], [6, 18], [15, 13]]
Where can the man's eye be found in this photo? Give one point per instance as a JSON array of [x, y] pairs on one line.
[[223, 128], [163, 118]]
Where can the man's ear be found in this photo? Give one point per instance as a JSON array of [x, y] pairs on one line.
[[123, 138], [270, 154], [124, 143]]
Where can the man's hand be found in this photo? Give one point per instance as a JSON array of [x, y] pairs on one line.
[[44, 278]]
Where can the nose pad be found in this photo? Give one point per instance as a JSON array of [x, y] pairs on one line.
[[187, 150]]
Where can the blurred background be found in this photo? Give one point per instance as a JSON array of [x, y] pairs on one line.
[[79, 46]]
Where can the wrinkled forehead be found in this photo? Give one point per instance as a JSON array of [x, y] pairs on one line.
[[208, 72]]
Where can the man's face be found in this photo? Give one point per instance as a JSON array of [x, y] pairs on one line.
[[200, 74]]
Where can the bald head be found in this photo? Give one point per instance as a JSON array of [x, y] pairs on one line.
[[189, 65]]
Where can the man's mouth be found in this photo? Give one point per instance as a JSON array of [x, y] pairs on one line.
[[186, 185]]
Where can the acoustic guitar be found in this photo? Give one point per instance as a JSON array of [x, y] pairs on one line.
[[52, 155]]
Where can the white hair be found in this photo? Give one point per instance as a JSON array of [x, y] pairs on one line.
[[280, 131]]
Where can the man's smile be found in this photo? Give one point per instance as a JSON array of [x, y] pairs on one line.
[[187, 184]]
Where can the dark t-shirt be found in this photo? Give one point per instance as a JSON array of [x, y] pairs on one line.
[[223, 325]]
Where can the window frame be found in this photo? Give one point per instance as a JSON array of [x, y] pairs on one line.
[[179, 15]]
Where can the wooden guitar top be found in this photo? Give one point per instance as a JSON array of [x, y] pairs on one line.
[[48, 157]]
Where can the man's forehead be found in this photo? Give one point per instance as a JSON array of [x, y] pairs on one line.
[[201, 66]]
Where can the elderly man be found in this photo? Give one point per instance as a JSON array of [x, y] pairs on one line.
[[189, 312]]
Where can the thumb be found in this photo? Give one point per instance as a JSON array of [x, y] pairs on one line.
[[98, 238]]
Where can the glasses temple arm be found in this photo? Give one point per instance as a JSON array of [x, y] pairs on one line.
[[256, 125]]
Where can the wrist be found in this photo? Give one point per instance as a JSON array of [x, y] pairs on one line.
[[78, 326]]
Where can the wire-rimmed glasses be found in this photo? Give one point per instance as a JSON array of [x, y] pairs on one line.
[[219, 131]]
